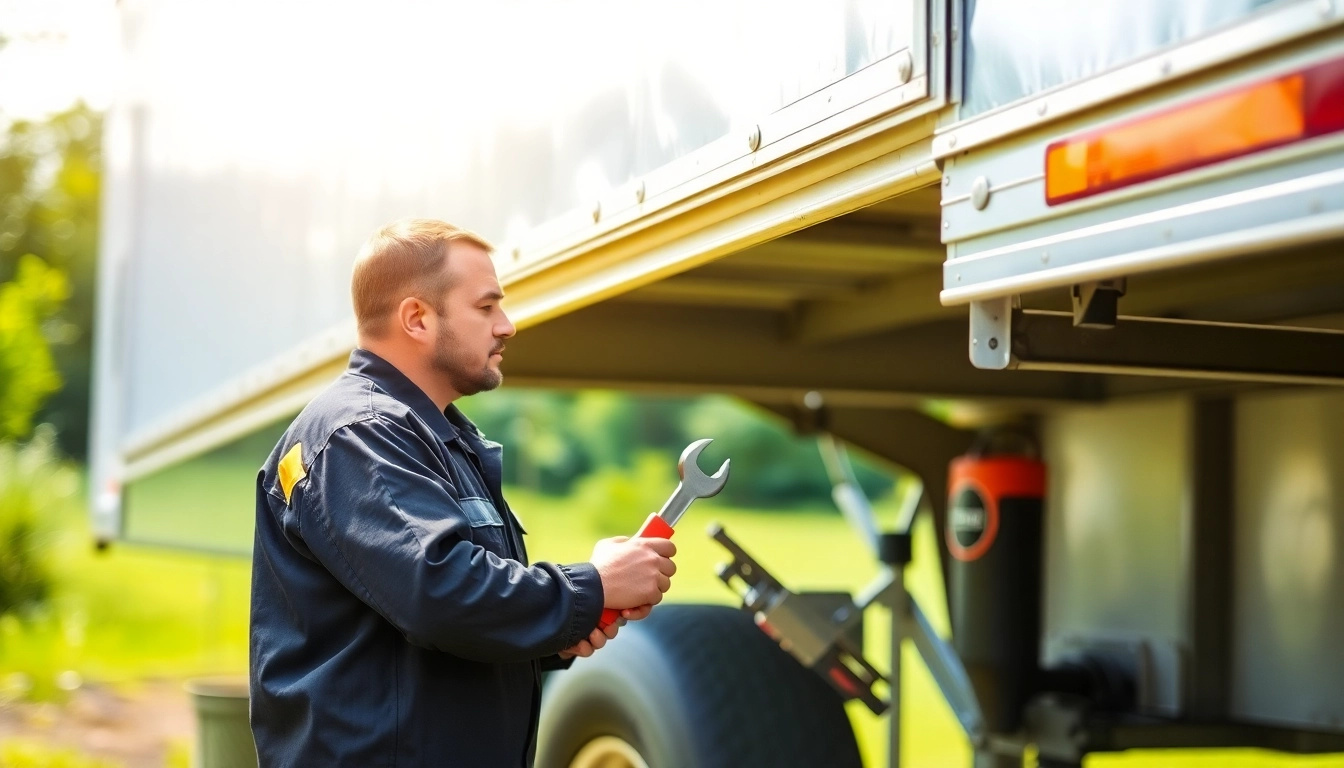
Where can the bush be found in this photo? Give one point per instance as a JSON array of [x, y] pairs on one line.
[[615, 500], [32, 484], [28, 374], [772, 468]]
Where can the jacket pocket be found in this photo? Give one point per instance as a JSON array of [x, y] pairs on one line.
[[481, 513]]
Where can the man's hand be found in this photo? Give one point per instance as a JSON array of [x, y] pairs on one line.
[[635, 614], [635, 572], [596, 639]]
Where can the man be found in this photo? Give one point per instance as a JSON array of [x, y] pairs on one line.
[[395, 619]]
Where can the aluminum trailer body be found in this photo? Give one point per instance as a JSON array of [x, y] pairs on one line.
[[843, 213]]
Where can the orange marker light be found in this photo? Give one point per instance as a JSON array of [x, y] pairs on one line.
[[1227, 125]]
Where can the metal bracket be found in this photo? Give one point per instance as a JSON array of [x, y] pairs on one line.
[[829, 644], [822, 632], [1096, 304], [992, 333]]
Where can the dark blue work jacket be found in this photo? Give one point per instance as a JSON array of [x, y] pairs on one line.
[[395, 621]]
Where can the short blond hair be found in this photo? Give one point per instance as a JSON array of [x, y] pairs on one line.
[[407, 258]]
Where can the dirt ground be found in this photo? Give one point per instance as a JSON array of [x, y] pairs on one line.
[[134, 727]]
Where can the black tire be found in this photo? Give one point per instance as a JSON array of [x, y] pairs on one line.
[[696, 686]]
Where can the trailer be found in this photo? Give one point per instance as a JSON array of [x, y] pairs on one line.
[[1077, 266]]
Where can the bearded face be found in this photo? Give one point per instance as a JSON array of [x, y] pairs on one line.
[[469, 368]]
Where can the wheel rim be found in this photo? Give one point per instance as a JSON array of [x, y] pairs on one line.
[[608, 752]]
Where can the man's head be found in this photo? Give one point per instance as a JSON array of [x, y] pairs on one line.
[[427, 299]]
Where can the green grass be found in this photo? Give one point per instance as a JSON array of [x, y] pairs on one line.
[[20, 753], [134, 613], [128, 614]]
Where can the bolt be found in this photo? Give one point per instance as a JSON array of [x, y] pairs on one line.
[[980, 193], [904, 68], [639, 193], [841, 615], [1045, 257], [947, 181], [975, 342], [746, 569], [597, 211], [958, 277], [1166, 67], [754, 138], [1042, 108], [947, 225], [993, 343], [951, 141]]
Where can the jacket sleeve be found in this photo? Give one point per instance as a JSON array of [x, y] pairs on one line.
[[380, 518], [556, 664]]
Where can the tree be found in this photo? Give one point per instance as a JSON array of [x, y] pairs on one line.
[[50, 178], [772, 467], [28, 374]]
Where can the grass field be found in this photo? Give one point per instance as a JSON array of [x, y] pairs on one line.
[[135, 613]]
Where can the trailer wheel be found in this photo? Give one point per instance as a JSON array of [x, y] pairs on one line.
[[692, 686]]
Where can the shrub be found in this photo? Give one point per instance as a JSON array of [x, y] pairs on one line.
[[615, 500], [33, 482], [28, 374]]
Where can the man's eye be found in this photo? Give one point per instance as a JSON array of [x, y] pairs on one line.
[[488, 307]]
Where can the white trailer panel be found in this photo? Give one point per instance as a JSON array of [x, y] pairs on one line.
[[254, 147]]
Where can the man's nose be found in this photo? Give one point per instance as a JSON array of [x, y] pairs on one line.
[[505, 330]]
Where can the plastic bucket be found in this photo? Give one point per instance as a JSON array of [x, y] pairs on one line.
[[223, 733]]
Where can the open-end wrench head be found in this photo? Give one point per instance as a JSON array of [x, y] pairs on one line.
[[693, 479]]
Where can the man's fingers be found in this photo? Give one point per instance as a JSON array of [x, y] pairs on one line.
[[667, 567], [635, 614], [663, 547], [612, 628], [596, 639], [664, 583]]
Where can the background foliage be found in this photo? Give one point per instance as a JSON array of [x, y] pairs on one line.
[[562, 442], [48, 225], [49, 197]]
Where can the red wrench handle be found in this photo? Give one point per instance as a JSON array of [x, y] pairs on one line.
[[654, 528]]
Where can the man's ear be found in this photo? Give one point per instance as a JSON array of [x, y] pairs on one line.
[[411, 318]]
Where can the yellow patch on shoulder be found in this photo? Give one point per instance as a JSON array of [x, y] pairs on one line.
[[291, 470]]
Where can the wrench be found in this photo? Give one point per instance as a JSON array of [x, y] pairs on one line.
[[694, 484]]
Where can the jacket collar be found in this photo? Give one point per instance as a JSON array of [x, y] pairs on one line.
[[388, 378]]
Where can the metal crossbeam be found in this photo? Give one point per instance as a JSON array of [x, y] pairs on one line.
[[1049, 341]]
